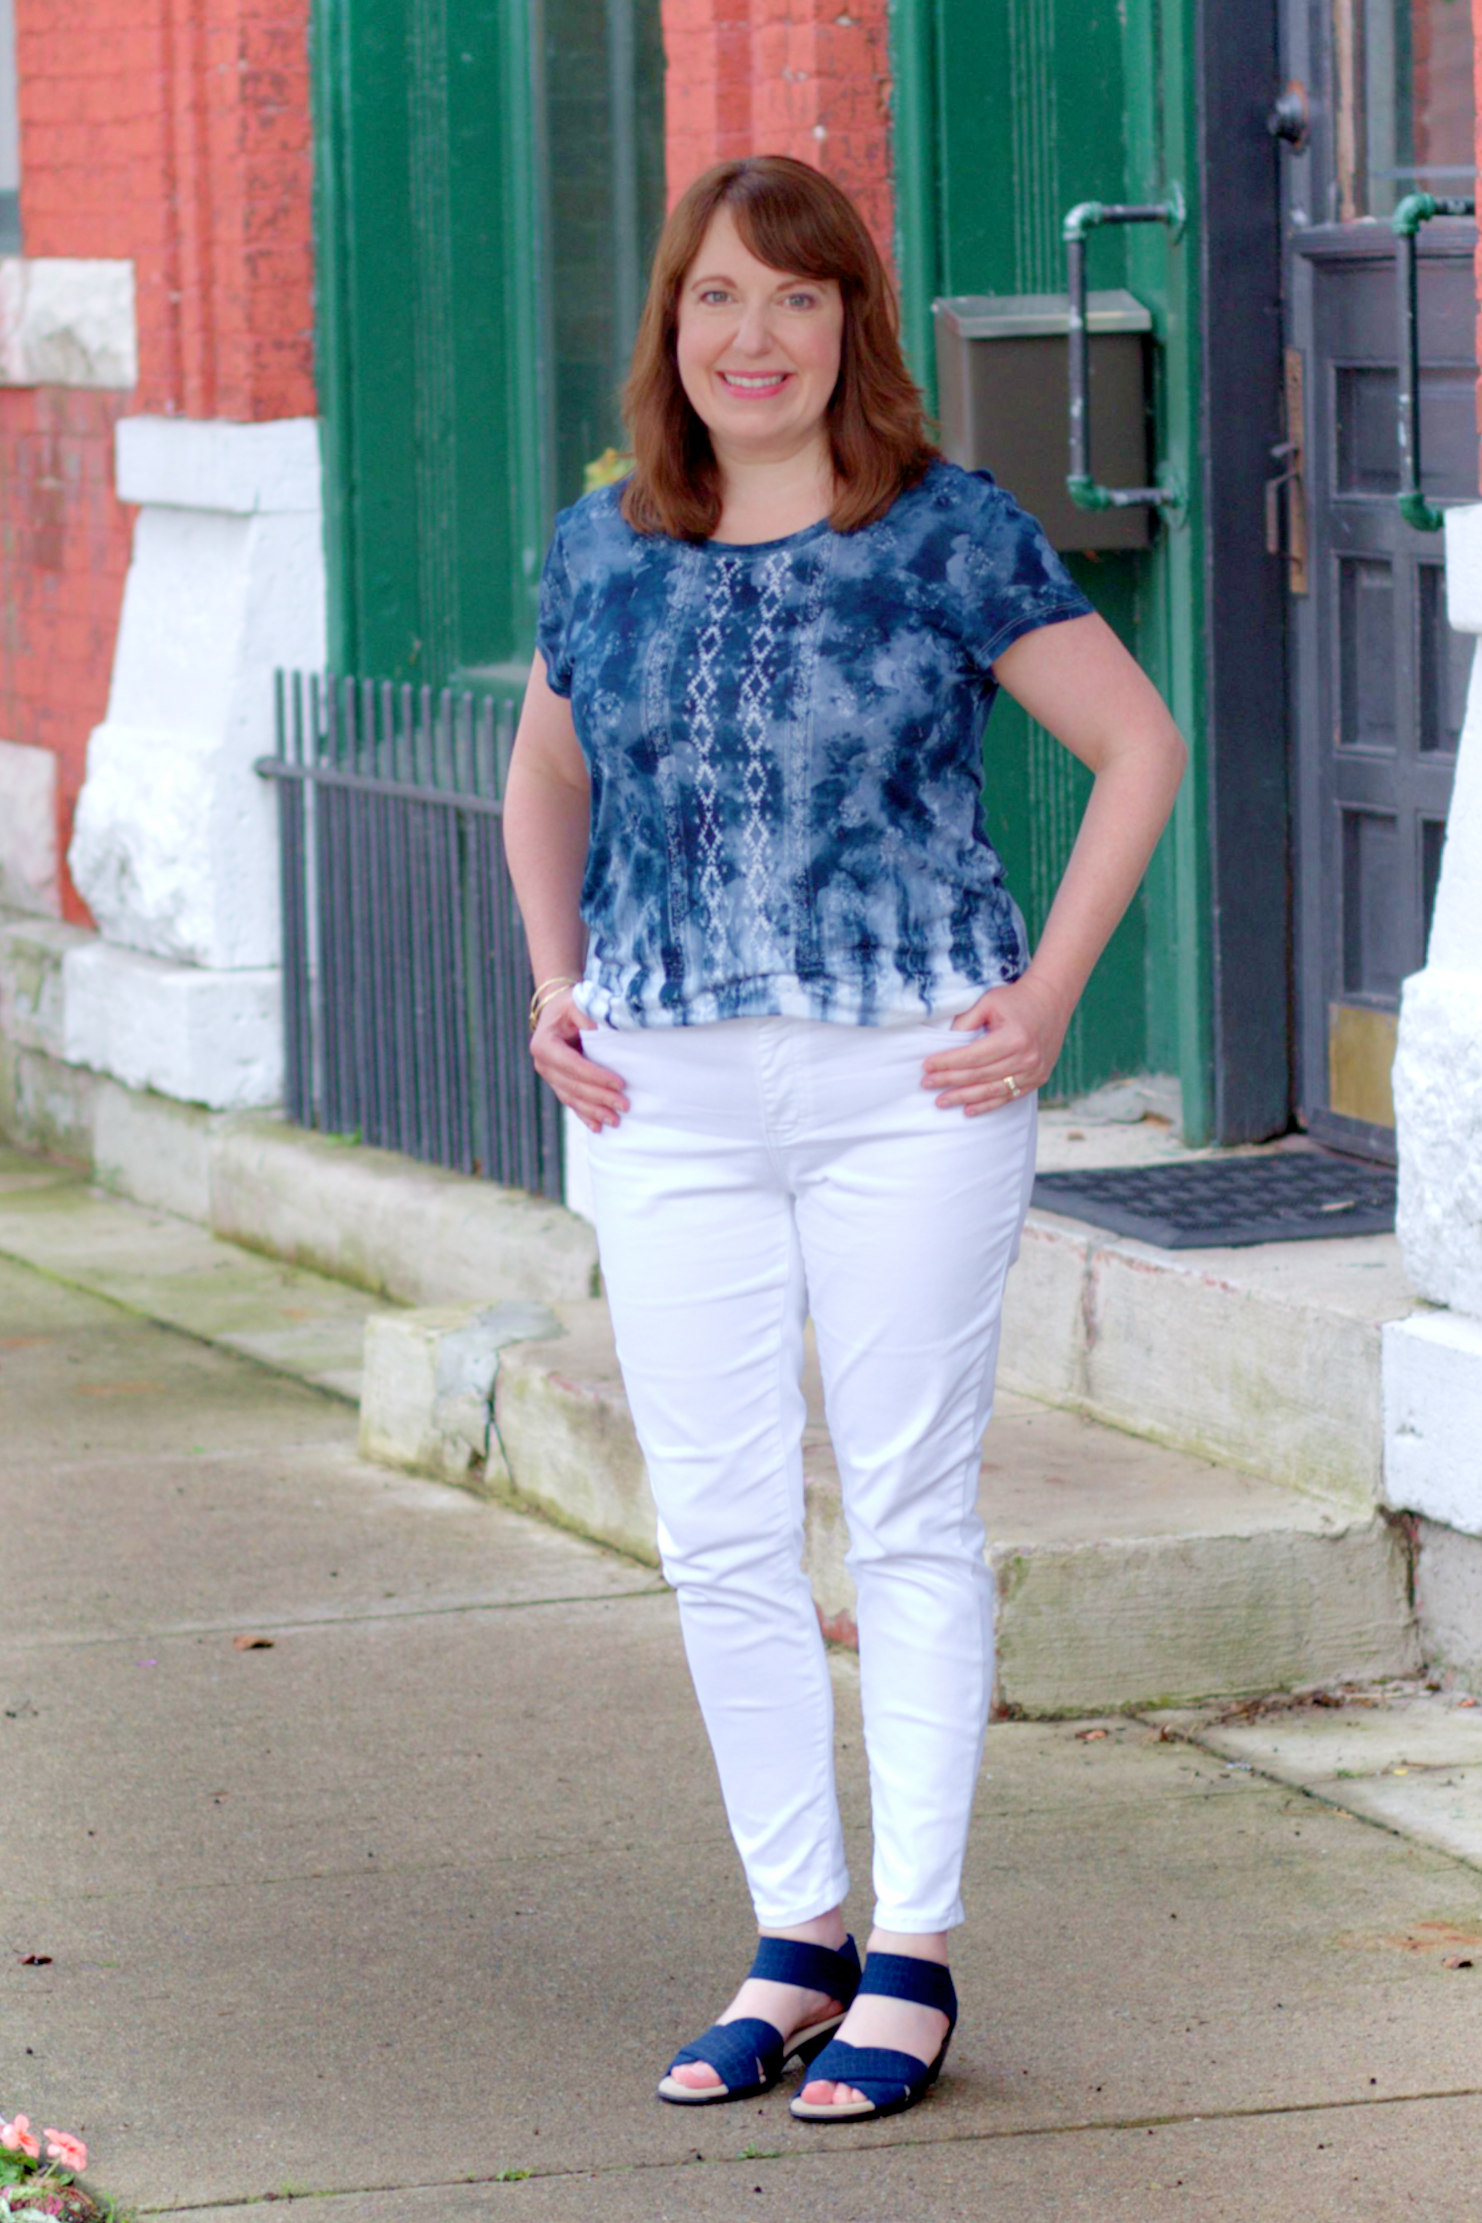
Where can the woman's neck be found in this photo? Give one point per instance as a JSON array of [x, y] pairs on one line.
[[768, 499]]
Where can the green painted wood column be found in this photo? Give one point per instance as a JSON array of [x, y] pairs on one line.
[[431, 329], [489, 180]]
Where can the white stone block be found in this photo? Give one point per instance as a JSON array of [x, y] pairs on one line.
[[1432, 1375], [29, 879], [1438, 1110], [1438, 1055], [174, 849], [243, 470], [67, 321], [201, 1037], [1456, 928], [1448, 1601], [174, 846], [1464, 568]]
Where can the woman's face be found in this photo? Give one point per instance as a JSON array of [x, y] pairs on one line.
[[758, 350]]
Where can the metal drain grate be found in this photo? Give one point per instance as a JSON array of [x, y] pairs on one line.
[[1294, 1196]]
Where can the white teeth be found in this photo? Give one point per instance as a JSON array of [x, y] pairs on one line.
[[754, 385]]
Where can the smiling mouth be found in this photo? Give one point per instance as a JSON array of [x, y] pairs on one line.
[[755, 382]]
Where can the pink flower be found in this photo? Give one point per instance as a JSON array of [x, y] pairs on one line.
[[17, 2136], [63, 2147]]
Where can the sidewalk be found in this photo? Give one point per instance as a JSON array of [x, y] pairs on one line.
[[425, 1891]]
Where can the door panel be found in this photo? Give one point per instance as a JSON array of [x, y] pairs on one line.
[[1029, 113], [1379, 678]]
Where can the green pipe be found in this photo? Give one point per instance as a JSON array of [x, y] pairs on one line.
[[1414, 210], [1081, 483]]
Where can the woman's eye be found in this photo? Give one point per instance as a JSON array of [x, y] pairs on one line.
[[802, 300], [713, 294]]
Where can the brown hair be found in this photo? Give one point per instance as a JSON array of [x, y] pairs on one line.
[[796, 220]]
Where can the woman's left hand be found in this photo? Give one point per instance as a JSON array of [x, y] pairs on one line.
[[1022, 1027]]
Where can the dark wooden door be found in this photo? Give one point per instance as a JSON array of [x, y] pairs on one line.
[[1378, 676]]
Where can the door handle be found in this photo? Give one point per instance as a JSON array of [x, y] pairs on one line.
[[1083, 219]]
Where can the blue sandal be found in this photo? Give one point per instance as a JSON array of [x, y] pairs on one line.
[[889, 2080], [750, 2055]]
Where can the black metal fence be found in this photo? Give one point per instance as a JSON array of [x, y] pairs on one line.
[[405, 977]]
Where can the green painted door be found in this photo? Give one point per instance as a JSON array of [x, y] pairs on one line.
[[1006, 117]]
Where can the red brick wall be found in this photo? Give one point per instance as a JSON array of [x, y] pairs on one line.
[[64, 549], [175, 134], [809, 78]]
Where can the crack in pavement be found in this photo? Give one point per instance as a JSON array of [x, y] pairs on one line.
[[309, 1624], [1325, 1794], [1091, 2124]]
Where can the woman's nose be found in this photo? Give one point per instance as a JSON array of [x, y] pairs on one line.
[[753, 334]]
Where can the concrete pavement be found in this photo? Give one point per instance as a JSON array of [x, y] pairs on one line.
[[423, 1891]]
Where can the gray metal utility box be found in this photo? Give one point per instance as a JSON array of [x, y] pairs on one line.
[[1004, 393]]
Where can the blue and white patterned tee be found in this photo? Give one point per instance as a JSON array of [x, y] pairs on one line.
[[785, 749]]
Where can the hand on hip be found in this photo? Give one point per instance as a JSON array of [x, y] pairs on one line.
[[1018, 1032]]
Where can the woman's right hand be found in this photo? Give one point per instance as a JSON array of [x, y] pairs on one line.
[[594, 1092]]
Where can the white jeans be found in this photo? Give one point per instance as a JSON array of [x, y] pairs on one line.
[[769, 1168]]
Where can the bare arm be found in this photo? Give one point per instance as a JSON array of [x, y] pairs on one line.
[[547, 813], [1077, 681]]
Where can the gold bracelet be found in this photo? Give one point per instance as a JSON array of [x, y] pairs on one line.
[[557, 980], [545, 994]]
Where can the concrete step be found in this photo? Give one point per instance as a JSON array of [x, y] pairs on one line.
[[170, 1271], [1264, 1358], [1128, 1574]]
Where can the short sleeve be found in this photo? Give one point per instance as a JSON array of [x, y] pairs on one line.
[[553, 620], [1017, 582]]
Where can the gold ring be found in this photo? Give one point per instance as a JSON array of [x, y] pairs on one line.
[[1012, 1085]]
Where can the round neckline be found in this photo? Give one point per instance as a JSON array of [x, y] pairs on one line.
[[759, 547]]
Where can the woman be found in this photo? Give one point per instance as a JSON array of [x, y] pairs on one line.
[[780, 980]]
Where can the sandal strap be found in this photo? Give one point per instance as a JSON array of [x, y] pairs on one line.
[[907, 1976], [865, 2065], [741, 2053], [788, 1960]]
